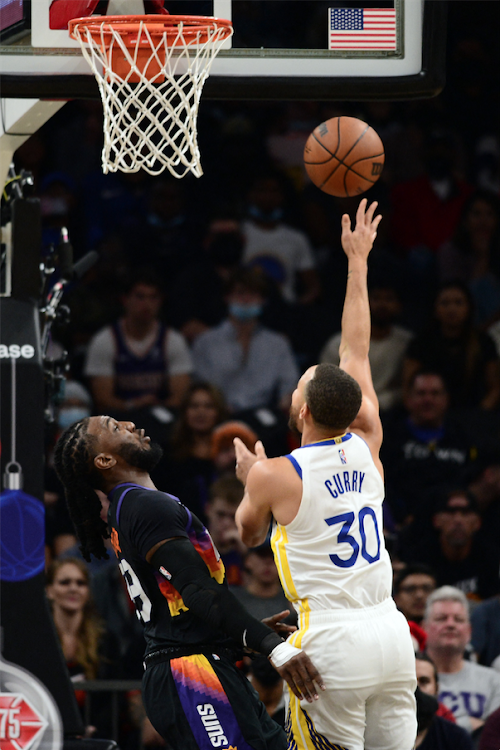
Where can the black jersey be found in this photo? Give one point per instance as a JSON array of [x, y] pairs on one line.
[[139, 518]]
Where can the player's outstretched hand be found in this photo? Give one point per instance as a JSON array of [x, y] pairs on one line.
[[302, 677], [245, 459], [276, 624], [358, 243]]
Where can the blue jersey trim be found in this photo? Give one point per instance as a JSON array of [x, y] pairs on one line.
[[295, 464]]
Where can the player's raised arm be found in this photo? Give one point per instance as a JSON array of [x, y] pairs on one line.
[[356, 327]]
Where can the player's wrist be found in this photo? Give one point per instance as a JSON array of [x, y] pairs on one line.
[[282, 653]]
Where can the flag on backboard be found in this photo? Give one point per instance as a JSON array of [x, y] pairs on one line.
[[362, 28]]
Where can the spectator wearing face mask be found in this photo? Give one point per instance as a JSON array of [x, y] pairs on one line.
[[251, 365], [281, 251]]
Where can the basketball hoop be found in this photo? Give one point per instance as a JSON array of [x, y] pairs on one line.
[[150, 71]]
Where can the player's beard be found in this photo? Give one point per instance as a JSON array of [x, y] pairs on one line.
[[144, 459], [292, 422]]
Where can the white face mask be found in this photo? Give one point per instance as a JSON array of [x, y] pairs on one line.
[[71, 414]]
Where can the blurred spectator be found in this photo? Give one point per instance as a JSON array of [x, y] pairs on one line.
[[412, 586], [422, 449], [60, 536], [223, 453], [426, 210], [261, 593], [388, 343], [469, 690], [226, 494], [252, 366], [197, 302], [485, 621], [169, 234], [456, 554], [269, 685], [484, 483], [89, 650], [139, 361], [189, 469], [451, 345], [473, 256], [441, 733], [282, 252], [490, 735]]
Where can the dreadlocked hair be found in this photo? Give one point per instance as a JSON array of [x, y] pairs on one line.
[[73, 465]]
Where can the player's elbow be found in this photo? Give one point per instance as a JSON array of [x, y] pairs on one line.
[[252, 536]]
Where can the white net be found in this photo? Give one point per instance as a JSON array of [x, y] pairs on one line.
[[151, 92]]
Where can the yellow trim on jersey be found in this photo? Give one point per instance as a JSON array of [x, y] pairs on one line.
[[300, 729], [338, 439], [278, 544]]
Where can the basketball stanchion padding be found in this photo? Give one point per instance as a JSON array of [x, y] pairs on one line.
[[150, 70]]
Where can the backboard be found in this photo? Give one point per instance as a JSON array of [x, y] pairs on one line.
[[305, 49]]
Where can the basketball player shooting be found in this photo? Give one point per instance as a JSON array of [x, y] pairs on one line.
[[195, 628], [325, 501]]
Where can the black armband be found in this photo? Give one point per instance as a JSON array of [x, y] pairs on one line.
[[212, 602]]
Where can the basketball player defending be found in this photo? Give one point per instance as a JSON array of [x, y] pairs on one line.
[[194, 626], [326, 501]]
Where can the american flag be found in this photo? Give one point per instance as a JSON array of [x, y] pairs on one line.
[[362, 28]]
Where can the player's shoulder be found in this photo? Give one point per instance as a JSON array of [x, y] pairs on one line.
[[272, 474], [137, 500]]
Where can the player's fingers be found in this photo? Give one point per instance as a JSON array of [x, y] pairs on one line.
[[360, 213], [260, 451], [376, 221], [370, 212]]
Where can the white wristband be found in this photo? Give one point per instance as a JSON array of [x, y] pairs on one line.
[[282, 653]]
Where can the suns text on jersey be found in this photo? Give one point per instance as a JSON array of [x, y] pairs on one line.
[[345, 481]]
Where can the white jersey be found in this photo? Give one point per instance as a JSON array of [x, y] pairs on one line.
[[332, 555]]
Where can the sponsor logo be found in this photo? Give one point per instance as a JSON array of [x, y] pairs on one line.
[[377, 168], [17, 351], [212, 725]]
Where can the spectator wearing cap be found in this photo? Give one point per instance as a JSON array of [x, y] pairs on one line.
[[253, 366], [471, 691], [456, 554], [412, 586], [441, 732]]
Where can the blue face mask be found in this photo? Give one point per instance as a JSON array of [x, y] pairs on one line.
[[245, 312], [268, 216], [72, 414]]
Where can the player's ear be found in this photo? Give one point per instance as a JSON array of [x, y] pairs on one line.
[[304, 411], [104, 461]]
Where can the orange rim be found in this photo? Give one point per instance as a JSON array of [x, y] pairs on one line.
[[194, 27]]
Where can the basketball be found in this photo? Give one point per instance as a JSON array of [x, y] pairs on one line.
[[344, 156]]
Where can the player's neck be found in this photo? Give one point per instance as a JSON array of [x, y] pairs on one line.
[[311, 434], [130, 475]]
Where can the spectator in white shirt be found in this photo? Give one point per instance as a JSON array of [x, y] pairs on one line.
[[138, 361]]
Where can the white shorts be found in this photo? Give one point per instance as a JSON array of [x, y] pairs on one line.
[[367, 662]]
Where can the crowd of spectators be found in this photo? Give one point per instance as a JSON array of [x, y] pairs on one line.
[[211, 296]]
